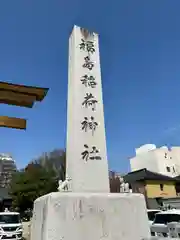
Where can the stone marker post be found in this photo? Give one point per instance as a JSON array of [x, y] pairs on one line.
[[86, 142]]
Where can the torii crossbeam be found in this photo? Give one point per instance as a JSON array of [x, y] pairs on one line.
[[22, 96]]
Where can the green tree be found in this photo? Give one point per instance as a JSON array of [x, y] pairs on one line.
[[38, 178], [31, 183]]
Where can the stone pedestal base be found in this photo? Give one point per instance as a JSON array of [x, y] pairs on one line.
[[90, 216]]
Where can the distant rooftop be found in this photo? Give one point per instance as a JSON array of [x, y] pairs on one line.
[[151, 147], [144, 174], [6, 156]]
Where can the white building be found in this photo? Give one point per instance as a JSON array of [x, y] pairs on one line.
[[7, 168], [6, 156], [161, 160]]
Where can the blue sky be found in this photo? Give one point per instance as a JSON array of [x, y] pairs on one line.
[[140, 57]]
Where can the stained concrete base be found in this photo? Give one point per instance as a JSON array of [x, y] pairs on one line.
[[90, 216]]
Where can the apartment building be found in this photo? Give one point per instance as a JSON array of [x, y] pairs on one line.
[[161, 160], [7, 168]]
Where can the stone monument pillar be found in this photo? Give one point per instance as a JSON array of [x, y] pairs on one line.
[[86, 210], [86, 142]]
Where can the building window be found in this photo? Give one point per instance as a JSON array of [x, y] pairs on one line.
[[165, 155], [161, 187], [174, 169], [168, 169]]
